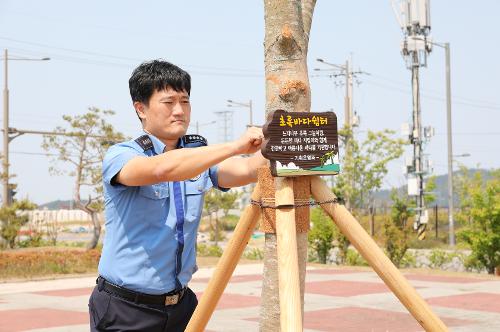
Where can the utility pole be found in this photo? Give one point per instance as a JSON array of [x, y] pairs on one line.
[[345, 70], [5, 176], [414, 19], [450, 147], [350, 120], [225, 122], [232, 103], [198, 125], [348, 96], [6, 196]]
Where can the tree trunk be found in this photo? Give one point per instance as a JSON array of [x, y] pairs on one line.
[[96, 234], [288, 23], [96, 224]]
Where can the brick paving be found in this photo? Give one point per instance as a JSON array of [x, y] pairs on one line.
[[336, 299]]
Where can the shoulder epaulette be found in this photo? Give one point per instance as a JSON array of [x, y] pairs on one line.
[[144, 142], [194, 141]]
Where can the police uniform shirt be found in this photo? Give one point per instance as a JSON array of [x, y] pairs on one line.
[[142, 229]]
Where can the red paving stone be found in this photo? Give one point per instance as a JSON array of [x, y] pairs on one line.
[[67, 292], [474, 301], [234, 301], [352, 319], [458, 280], [334, 271], [21, 320], [345, 288]]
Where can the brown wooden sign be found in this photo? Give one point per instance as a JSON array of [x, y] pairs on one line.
[[301, 143]]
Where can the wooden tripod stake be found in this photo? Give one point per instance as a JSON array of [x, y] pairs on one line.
[[288, 268], [291, 318]]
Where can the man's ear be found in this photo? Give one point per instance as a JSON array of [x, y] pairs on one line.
[[140, 110]]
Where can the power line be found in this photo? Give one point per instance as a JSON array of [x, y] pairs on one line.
[[431, 97], [243, 72], [429, 94]]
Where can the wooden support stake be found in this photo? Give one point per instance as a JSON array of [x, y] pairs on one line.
[[288, 266], [392, 277], [225, 267]]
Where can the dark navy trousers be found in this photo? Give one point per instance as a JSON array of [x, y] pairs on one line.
[[109, 312]]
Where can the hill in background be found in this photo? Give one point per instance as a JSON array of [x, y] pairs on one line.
[[441, 189]]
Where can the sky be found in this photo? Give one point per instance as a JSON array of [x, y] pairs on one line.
[[95, 45]]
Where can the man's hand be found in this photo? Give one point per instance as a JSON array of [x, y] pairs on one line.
[[250, 141]]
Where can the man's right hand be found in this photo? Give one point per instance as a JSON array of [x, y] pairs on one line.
[[250, 141]]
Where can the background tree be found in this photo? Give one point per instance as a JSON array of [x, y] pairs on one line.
[[228, 201], [362, 174], [462, 183], [430, 187], [82, 145], [483, 232], [396, 230], [12, 219], [320, 236], [212, 204]]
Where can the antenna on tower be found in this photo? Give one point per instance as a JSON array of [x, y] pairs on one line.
[[413, 17]]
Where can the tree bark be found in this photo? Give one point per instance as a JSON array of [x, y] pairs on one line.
[[96, 223], [288, 24]]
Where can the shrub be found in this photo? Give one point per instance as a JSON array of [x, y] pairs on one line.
[[320, 236], [254, 254], [229, 222], [354, 258], [408, 260], [396, 231], [438, 258], [483, 233], [205, 250], [11, 220]]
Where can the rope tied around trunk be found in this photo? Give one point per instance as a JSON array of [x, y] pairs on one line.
[[269, 203]]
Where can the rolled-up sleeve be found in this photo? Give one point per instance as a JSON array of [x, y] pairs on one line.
[[214, 177], [114, 160]]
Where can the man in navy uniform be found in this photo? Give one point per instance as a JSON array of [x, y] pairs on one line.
[[154, 187]]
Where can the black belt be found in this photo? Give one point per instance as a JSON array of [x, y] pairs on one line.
[[170, 298]]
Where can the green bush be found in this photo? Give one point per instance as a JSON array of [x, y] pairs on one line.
[[438, 258], [205, 250], [408, 260], [254, 254], [471, 263], [483, 211], [11, 220], [320, 236], [229, 222], [354, 258], [396, 229]]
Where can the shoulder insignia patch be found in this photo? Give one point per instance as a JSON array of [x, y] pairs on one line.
[[144, 142], [194, 140]]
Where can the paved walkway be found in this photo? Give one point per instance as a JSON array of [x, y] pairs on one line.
[[336, 300]]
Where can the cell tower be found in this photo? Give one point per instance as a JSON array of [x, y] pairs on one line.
[[414, 19], [225, 125]]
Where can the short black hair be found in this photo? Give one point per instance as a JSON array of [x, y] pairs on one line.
[[157, 75]]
